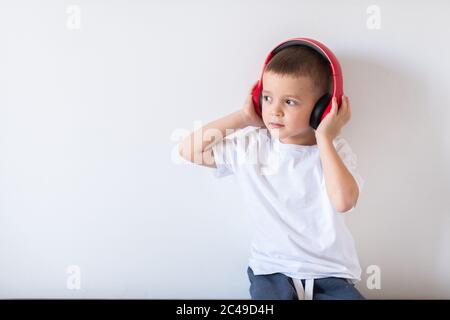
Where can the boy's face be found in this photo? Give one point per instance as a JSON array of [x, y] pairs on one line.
[[289, 100]]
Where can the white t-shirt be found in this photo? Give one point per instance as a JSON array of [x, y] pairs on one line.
[[297, 231]]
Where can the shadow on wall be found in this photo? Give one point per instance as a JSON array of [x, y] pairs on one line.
[[401, 222]]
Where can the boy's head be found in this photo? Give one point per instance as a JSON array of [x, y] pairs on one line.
[[293, 80]]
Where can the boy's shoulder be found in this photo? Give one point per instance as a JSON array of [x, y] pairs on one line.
[[249, 130], [253, 132], [250, 136], [342, 145]]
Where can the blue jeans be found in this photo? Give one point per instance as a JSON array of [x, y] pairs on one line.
[[278, 286]]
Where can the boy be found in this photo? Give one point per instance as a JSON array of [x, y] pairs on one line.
[[298, 181]]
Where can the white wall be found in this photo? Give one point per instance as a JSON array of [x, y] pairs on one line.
[[88, 118]]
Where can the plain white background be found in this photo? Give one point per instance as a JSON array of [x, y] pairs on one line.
[[90, 118]]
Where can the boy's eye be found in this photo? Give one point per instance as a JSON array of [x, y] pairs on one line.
[[266, 98], [290, 102]]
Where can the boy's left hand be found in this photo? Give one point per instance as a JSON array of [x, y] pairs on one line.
[[335, 120]]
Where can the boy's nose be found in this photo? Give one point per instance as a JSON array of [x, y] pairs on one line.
[[277, 110]]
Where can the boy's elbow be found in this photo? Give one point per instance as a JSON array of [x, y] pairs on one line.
[[184, 152], [345, 208], [189, 155], [347, 204], [180, 150]]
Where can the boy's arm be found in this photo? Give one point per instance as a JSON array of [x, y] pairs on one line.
[[197, 147], [341, 186]]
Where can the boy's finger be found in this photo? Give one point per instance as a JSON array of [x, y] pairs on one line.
[[344, 104], [347, 105], [334, 106]]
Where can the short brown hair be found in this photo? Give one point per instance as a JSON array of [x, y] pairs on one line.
[[303, 61]]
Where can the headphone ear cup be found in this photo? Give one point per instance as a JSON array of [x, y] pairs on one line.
[[318, 110], [257, 99], [260, 99]]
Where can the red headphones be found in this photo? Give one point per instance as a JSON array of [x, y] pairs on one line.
[[323, 105]]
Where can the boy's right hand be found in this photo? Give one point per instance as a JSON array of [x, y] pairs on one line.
[[248, 111]]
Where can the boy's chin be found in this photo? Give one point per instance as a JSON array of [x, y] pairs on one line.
[[277, 132]]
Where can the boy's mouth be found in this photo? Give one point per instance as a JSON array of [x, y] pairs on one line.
[[275, 125]]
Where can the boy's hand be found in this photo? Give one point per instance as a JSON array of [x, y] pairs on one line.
[[335, 120], [251, 118]]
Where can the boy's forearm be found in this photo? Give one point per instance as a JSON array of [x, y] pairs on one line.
[[211, 133], [341, 185]]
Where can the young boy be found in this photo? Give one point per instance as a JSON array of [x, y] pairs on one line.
[[298, 181]]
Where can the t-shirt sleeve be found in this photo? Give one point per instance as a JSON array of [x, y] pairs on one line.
[[225, 155], [230, 152], [350, 160]]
